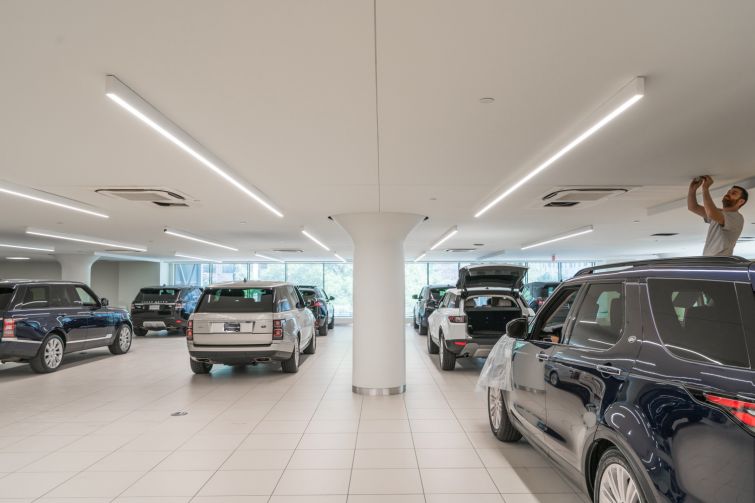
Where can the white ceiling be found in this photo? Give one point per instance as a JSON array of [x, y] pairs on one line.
[[285, 93]]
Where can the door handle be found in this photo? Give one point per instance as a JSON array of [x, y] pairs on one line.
[[608, 369], [542, 357]]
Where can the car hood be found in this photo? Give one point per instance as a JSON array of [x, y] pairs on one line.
[[494, 275]]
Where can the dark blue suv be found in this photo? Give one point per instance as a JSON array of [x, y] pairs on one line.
[[637, 380], [43, 320]]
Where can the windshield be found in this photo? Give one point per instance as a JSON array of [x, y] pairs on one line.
[[6, 293], [308, 294], [437, 293], [157, 295], [236, 300]]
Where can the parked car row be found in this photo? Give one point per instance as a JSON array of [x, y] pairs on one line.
[[637, 381], [232, 323]]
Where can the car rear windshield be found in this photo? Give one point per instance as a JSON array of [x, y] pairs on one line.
[[700, 320], [157, 295], [437, 293], [236, 300], [308, 294], [6, 293]]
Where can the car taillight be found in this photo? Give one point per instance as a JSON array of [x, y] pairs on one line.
[[9, 329], [740, 409], [277, 329], [460, 343], [190, 331], [457, 319]]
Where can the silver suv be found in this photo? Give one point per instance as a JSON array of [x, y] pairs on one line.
[[247, 323]]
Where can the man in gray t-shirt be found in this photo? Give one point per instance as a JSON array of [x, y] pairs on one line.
[[724, 224]]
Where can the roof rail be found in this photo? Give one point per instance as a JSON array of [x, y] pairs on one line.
[[690, 261]]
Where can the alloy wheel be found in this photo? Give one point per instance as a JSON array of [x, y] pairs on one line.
[[495, 407], [124, 338], [53, 352], [617, 486]]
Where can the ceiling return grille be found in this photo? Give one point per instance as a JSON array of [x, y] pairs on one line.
[[163, 198], [569, 197]]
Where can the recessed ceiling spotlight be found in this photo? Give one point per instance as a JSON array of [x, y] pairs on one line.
[[487, 100], [433, 199], [186, 235], [625, 98], [124, 96]]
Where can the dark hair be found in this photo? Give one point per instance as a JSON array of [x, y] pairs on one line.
[[742, 191]]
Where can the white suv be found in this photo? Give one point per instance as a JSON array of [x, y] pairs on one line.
[[472, 317], [250, 322]]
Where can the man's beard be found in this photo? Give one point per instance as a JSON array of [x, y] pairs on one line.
[[728, 203]]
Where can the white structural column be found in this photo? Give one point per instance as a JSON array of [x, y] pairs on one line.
[[379, 352], [76, 266]]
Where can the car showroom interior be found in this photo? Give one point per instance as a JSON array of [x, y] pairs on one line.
[[377, 251]]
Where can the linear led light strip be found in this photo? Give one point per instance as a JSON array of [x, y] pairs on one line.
[[446, 236], [423, 255], [199, 259], [38, 196], [83, 239], [185, 235], [19, 247], [268, 258], [637, 89], [340, 257], [571, 234], [310, 236], [141, 109], [17, 258]]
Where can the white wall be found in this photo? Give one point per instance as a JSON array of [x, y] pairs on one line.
[[29, 269], [119, 282]]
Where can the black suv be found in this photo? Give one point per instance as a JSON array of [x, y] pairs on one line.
[[43, 320], [321, 306], [164, 308], [637, 380], [427, 301]]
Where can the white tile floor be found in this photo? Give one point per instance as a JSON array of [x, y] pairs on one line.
[[100, 430]]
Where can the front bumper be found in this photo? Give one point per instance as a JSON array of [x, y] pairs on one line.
[[232, 355], [18, 349]]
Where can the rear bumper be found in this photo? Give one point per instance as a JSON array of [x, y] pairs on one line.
[[155, 321], [474, 347], [231, 355], [23, 349]]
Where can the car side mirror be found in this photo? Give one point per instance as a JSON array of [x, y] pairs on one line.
[[331, 298], [104, 302], [415, 296], [517, 328]]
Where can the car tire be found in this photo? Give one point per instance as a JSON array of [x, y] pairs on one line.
[[50, 355], [200, 367], [140, 332], [553, 378], [414, 322], [323, 330], [291, 366], [332, 323], [615, 475], [498, 416], [447, 359], [422, 328], [122, 340], [432, 348], [312, 346]]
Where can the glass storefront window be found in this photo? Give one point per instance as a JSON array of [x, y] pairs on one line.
[[268, 272], [415, 277], [304, 274], [339, 284], [445, 273], [223, 273], [569, 269], [542, 271]]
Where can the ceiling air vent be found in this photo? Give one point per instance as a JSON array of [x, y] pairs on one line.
[[664, 234], [568, 197], [163, 198]]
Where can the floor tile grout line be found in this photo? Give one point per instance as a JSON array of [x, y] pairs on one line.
[[293, 453], [414, 445], [354, 454]]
